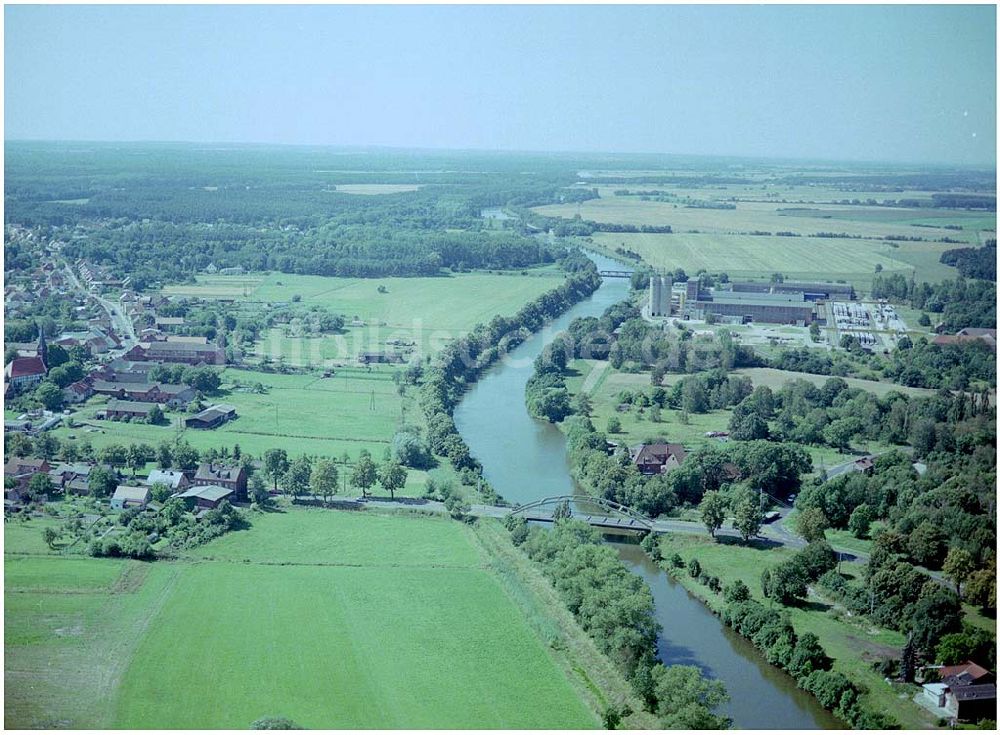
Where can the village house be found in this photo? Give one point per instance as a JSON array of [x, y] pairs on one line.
[[228, 476], [174, 395], [78, 392], [655, 459], [181, 352], [168, 323], [125, 371], [966, 691], [72, 478], [174, 479], [127, 391], [117, 410], [22, 469], [212, 417], [369, 358], [130, 496], [23, 373], [207, 496], [969, 334]]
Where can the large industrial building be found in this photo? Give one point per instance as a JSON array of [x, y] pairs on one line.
[[811, 290], [770, 308], [790, 302]]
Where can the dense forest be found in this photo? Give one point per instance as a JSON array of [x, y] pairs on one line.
[[974, 262], [164, 213]]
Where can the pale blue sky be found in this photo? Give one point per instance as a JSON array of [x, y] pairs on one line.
[[892, 83]]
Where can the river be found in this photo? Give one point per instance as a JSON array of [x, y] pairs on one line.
[[526, 459]]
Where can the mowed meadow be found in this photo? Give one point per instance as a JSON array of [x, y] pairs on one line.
[[427, 312], [333, 619]]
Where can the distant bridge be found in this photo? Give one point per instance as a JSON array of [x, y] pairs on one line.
[[616, 274], [536, 511]]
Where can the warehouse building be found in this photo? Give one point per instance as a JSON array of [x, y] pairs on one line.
[[811, 290], [769, 308]]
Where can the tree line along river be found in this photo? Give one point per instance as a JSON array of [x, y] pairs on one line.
[[526, 459]]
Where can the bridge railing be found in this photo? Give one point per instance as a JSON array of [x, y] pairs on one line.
[[603, 502]]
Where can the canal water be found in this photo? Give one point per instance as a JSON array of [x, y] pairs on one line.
[[526, 459]]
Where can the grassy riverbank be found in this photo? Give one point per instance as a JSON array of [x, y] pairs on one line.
[[853, 642]]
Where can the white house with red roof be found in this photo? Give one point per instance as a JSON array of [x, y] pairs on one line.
[[25, 372]]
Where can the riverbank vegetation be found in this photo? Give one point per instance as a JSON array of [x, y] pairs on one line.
[[445, 380], [615, 607], [846, 650]]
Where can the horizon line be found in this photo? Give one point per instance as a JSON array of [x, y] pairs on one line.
[[361, 147]]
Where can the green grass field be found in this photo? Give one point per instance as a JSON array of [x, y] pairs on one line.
[[447, 303], [712, 239], [746, 256], [348, 412], [773, 215], [334, 619], [854, 643]]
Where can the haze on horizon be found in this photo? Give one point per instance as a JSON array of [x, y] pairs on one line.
[[874, 83]]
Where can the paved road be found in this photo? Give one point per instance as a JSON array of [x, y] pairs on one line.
[[121, 324], [772, 532], [776, 533]]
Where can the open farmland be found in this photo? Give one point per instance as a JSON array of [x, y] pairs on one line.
[[747, 256], [382, 622], [425, 312], [804, 210], [718, 239], [448, 302]]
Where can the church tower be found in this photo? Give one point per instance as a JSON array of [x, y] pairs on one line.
[[42, 350]]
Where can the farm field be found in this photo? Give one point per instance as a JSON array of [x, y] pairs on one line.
[[716, 239], [456, 302], [108, 643], [424, 313], [747, 256], [853, 645], [796, 214]]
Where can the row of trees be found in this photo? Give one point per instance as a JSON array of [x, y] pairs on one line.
[[305, 475], [615, 607], [457, 366], [771, 631]]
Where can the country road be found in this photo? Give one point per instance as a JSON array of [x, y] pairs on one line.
[[776, 533], [120, 323]]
